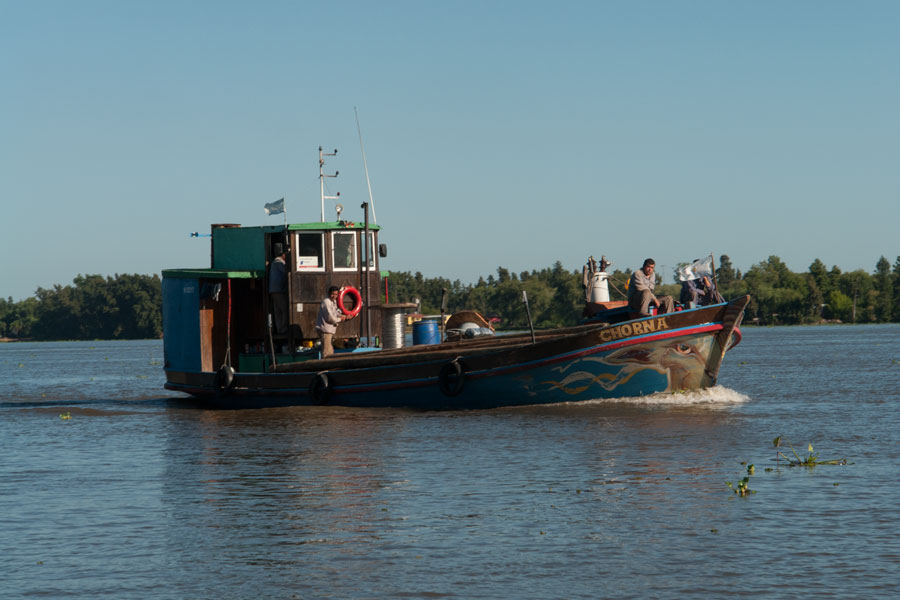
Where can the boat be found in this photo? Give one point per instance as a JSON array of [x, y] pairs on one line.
[[220, 346]]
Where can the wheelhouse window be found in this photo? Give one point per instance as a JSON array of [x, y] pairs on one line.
[[343, 250], [310, 252], [371, 251]]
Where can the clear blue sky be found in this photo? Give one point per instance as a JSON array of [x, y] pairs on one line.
[[497, 133]]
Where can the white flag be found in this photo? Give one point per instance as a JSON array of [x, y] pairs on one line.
[[697, 269], [275, 208]]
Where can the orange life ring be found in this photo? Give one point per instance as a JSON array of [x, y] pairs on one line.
[[357, 301]]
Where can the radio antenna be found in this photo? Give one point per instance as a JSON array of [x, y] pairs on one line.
[[322, 177], [366, 166]]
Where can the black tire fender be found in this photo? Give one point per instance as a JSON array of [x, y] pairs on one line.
[[224, 380], [452, 378], [320, 388]]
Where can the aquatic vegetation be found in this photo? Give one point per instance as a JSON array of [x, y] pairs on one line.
[[65, 416], [743, 486], [810, 460]]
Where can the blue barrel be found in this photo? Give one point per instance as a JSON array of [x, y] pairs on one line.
[[426, 332]]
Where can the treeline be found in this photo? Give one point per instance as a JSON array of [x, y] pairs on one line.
[[780, 296], [93, 307], [130, 306]]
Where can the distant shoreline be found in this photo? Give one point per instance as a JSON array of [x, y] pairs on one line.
[[4, 340], [825, 322]]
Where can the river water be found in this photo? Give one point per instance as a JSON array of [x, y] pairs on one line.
[[111, 487]]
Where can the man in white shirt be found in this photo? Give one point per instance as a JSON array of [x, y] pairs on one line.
[[328, 319]]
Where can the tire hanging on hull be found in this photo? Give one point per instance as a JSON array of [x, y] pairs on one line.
[[224, 380], [452, 378], [320, 388]]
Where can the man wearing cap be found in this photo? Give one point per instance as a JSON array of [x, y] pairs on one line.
[[278, 289], [640, 292]]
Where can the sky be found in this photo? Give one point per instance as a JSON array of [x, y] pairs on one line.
[[511, 134]]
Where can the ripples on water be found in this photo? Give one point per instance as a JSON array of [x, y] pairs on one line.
[[142, 495]]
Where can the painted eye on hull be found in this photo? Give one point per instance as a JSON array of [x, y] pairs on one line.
[[683, 349]]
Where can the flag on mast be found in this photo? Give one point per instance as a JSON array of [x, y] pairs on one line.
[[697, 269], [275, 208]]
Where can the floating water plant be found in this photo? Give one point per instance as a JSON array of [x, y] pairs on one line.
[[810, 460], [742, 488], [65, 416]]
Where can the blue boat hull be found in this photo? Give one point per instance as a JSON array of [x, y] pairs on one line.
[[666, 353]]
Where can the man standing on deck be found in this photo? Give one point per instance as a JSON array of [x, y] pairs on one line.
[[640, 292], [328, 319], [278, 289]]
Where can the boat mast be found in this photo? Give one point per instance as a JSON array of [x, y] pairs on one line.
[[367, 258], [322, 177], [366, 166]]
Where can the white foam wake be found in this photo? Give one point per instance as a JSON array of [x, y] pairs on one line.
[[714, 396]]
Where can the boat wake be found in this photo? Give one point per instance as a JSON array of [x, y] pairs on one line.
[[716, 396]]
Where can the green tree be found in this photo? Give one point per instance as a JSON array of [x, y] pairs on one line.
[[725, 274], [138, 299], [884, 297], [839, 306], [777, 294], [819, 273], [896, 274], [856, 285], [815, 298], [20, 318]]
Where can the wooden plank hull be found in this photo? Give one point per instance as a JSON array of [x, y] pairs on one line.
[[665, 353]]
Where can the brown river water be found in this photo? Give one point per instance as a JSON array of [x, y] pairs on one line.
[[111, 487]]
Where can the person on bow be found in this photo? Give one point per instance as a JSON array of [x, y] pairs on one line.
[[640, 292]]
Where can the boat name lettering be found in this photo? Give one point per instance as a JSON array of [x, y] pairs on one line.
[[636, 328]]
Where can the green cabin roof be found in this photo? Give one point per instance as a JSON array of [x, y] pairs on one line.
[[326, 226], [212, 274], [240, 252]]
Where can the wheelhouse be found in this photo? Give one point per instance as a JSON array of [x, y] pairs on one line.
[[224, 314]]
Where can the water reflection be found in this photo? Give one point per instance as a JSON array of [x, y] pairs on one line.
[[160, 499]]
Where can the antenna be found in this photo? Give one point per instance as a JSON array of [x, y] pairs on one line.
[[365, 165], [322, 177]]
